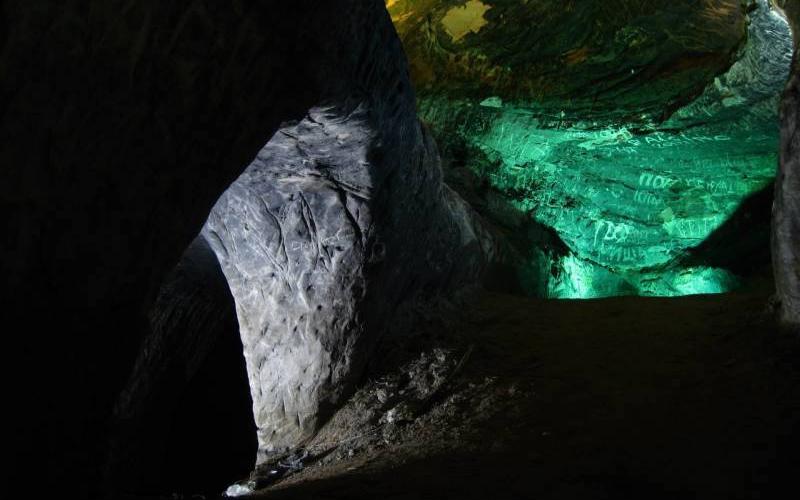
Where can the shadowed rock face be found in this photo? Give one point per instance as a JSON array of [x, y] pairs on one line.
[[340, 218], [124, 122], [189, 380], [786, 210]]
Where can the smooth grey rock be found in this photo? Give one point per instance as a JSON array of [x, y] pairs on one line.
[[340, 218]]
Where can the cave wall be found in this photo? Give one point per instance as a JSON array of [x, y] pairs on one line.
[[621, 57], [124, 122], [786, 210], [622, 154]]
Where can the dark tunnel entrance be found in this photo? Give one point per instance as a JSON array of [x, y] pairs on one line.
[[185, 421]]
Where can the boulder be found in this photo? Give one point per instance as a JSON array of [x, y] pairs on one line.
[[342, 217]]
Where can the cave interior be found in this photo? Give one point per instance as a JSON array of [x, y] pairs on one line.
[[402, 248]]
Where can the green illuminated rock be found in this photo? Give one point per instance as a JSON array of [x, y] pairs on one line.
[[610, 55], [627, 194]]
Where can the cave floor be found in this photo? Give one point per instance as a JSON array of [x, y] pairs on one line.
[[692, 397]]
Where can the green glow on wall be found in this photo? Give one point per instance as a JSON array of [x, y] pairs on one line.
[[627, 198], [626, 202]]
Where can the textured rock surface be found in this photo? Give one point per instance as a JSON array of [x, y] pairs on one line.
[[618, 199], [123, 123], [786, 212], [617, 56], [340, 218]]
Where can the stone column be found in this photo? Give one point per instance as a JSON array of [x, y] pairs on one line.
[[786, 209]]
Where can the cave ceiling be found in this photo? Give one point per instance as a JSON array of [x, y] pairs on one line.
[[635, 54], [623, 146]]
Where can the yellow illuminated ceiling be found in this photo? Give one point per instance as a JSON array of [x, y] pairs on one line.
[[636, 53], [459, 21]]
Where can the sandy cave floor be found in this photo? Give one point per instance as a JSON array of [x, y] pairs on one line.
[[693, 397]]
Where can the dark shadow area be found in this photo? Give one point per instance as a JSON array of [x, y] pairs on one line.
[[123, 122], [741, 244], [630, 397], [184, 422], [528, 248], [521, 475], [212, 437]]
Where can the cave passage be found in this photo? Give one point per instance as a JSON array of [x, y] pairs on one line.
[[633, 198]]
